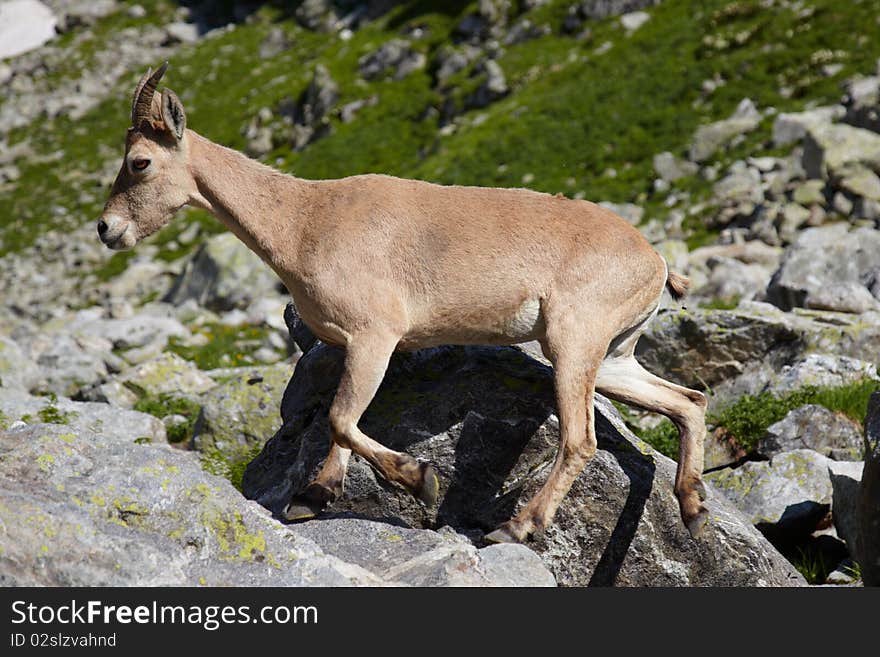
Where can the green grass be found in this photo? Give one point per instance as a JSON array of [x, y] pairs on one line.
[[810, 563], [227, 346], [747, 419], [163, 405]]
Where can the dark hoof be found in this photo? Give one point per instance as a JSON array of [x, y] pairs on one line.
[[697, 523], [430, 489], [501, 535], [300, 509], [313, 500]]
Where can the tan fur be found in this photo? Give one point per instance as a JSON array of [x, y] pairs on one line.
[[376, 263]]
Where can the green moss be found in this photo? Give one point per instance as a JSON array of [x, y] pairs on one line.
[[165, 404], [4, 421], [721, 304]]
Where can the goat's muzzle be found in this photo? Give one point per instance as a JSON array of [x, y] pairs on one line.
[[114, 232]]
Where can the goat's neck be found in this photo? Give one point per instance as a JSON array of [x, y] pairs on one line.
[[258, 204]]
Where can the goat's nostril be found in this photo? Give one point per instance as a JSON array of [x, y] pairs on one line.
[[102, 227]]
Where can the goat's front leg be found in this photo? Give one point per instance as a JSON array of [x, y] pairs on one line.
[[366, 360]]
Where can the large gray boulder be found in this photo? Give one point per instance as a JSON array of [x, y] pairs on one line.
[[786, 497], [222, 275], [830, 268], [791, 127], [239, 416], [16, 369], [24, 25], [814, 427], [709, 138], [752, 348], [421, 557], [78, 417], [485, 418], [86, 508], [830, 148]]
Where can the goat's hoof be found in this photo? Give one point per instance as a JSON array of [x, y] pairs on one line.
[[501, 535], [430, 488], [298, 510], [697, 523]]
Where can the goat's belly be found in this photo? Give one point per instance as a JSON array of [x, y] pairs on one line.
[[480, 327]]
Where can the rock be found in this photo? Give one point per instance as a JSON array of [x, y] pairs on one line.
[[98, 510], [319, 15], [842, 205], [598, 9], [791, 127], [670, 168], [830, 148], [821, 371], [16, 369], [749, 253], [493, 88], [451, 60], [68, 362], [524, 30], [862, 101], [124, 333], [222, 275], [751, 348], [24, 25], [809, 192], [844, 506], [110, 392], [420, 557], [395, 58], [634, 20], [484, 417], [786, 497], [814, 427], [275, 43], [860, 181], [629, 211], [829, 268], [867, 548], [180, 32], [239, 416], [309, 115], [739, 186], [80, 417], [731, 280], [709, 138], [167, 374]]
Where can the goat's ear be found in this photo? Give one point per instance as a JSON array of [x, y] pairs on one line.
[[173, 114]]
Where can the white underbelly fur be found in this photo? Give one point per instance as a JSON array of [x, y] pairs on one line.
[[527, 323]]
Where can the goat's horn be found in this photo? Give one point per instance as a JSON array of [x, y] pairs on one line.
[[142, 100]]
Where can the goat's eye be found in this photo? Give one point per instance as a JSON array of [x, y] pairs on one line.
[[140, 164]]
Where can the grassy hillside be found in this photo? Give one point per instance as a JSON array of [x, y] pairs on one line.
[[584, 116]]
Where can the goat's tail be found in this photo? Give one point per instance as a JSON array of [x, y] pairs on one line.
[[677, 284]]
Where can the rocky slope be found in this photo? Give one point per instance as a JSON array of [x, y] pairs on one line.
[[752, 167]]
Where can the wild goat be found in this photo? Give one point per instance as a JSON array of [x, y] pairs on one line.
[[376, 263]]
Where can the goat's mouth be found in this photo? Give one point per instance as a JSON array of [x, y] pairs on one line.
[[119, 240]]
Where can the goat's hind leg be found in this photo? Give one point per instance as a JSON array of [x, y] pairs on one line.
[[622, 378], [574, 370], [366, 360]]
